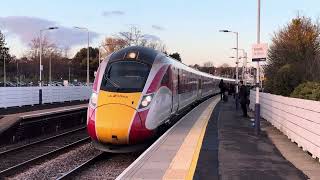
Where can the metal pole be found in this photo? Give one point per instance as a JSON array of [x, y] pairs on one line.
[[237, 71], [17, 73], [257, 105], [99, 55], [40, 58], [4, 70], [40, 77], [245, 68], [88, 60], [69, 74], [243, 64], [50, 68], [242, 72]]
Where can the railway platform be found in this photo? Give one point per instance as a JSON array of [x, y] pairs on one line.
[[10, 118], [213, 141]]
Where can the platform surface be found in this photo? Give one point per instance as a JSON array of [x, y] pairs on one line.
[[231, 150], [213, 141], [9, 120]]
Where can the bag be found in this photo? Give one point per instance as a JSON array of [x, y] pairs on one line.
[[225, 97]]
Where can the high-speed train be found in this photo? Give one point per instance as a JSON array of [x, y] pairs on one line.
[[138, 89]]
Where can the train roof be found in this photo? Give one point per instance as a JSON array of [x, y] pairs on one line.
[[144, 54], [149, 55]]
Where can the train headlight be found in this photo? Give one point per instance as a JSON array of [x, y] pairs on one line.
[[93, 99], [146, 100]]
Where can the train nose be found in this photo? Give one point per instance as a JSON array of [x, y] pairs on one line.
[[113, 123]]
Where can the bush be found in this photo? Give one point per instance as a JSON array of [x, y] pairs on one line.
[[285, 80], [308, 90]]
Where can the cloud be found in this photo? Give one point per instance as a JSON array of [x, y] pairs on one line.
[[112, 13], [27, 28], [157, 27], [151, 37]]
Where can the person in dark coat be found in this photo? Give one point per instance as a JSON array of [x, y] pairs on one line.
[[243, 95], [222, 87]]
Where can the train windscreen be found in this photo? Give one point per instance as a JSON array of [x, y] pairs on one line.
[[125, 76]]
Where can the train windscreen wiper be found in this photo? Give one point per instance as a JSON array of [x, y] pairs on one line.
[[112, 82]]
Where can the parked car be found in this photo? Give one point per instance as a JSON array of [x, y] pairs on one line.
[[8, 84]]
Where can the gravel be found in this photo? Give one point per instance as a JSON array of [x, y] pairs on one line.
[[13, 158], [108, 168], [61, 164]]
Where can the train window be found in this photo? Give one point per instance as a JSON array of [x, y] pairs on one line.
[[125, 76], [165, 79], [181, 81]]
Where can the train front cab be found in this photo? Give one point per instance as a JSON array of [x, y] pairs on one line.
[[113, 118]]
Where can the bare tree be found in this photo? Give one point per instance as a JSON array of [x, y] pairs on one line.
[[225, 70], [157, 45], [225, 65], [208, 64], [132, 37], [112, 44], [66, 51], [48, 48]]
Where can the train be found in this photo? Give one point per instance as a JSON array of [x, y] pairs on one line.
[[137, 90]]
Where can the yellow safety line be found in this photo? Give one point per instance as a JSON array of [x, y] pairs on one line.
[[181, 167], [197, 152]]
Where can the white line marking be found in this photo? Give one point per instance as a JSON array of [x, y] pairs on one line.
[[51, 112]]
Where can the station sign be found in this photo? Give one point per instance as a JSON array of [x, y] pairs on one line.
[[259, 52]]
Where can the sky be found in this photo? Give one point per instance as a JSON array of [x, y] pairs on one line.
[[190, 28]]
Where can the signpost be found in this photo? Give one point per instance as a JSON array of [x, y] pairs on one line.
[[259, 52]]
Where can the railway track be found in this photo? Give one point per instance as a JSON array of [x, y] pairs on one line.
[[83, 166], [10, 150], [17, 159]]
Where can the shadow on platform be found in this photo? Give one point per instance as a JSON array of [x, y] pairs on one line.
[[231, 150]]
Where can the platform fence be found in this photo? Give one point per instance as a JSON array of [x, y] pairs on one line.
[[299, 119], [21, 96]]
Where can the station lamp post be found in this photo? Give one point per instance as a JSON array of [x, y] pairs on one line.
[[86, 29], [41, 67], [257, 104], [244, 64], [237, 63], [99, 57], [4, 71]]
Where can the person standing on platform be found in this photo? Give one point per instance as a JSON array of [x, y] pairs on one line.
[[222, 88], [243, 95]]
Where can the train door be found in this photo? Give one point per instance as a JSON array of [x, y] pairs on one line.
[[199, 87], [175, 89]]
